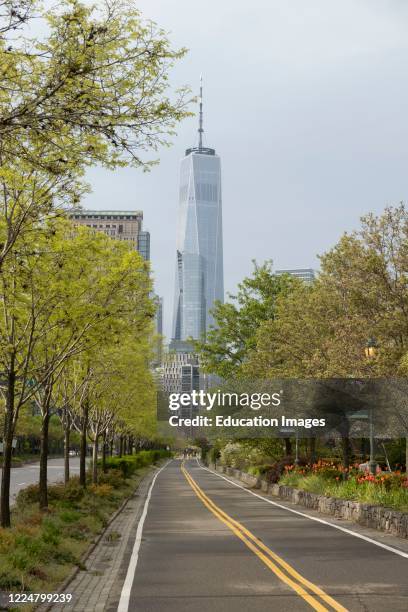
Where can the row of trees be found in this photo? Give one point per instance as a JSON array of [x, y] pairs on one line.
[[280, 327], [75, 329], [75, 313]]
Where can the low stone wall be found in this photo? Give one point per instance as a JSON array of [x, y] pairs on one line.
[[248, 479], [377, 517]]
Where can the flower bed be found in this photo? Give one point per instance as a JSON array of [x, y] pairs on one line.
[[385, 489]]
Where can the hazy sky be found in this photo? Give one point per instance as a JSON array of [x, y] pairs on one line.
[[306, 102]]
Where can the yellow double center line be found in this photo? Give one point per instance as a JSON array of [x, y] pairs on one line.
[[279, 566]]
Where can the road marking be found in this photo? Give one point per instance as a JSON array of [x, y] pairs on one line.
[[259, 548], [396, 551], [127, 585], [20, 484]]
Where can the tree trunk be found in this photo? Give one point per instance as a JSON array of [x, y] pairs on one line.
[[82, 456], [95, 459], [120, 446], [104, 452], [111, 447], [67, 433], [288, 447], [312, 456], [43, 492], [7, 448], [345, 444]]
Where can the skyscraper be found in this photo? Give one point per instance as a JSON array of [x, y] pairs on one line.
[[199, 257], [305, 274]]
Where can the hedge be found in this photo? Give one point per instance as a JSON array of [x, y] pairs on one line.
[[128, 464]]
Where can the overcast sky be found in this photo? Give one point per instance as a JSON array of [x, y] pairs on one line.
[[305, 102]]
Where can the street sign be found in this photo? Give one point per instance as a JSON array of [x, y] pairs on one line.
[[13, 444], [360, 414]]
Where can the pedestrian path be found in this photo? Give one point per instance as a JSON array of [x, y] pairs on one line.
[[98, 588]]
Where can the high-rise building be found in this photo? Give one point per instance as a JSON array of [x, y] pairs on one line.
[[199, 257], [143, 244], [124, 225], [158, 324], [180, 372], [307, 275], [121, 225]]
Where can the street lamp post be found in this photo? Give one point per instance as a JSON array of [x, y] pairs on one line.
[[292, 430], [370, 353], [297, 447]]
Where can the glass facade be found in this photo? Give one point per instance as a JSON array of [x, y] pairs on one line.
[[199, 258], [143, 244], [307, 275]]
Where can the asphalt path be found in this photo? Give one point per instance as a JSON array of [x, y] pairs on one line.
[[205, 545], [28, 474]]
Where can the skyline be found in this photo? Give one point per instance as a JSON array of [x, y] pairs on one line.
[[312, 131]]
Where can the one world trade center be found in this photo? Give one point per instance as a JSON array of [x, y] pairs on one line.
[[199, 258]]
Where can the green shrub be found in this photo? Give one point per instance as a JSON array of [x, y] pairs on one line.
[[33, 546], [27, 496], [112, 477], [68, 516], [214, 454], [70, 492], [129, 464], [254, 470], [51, 532], [19, 560], [259, 470], [10, 580], [102, 490], [7, 540]]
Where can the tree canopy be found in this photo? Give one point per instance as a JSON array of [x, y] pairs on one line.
[[227, 345]]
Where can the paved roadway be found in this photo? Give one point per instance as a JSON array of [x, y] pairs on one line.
[[28, 474], [209, 546]]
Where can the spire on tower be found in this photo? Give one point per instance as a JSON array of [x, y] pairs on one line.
[[200, 120], [200, 149]]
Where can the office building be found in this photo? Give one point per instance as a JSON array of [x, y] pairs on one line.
[[125, 225], [307, 275], [121, 225], [158, 324], [180, 373], [199, 279], [143, 244]]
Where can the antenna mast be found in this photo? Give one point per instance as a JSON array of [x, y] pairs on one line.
[[200, 121]]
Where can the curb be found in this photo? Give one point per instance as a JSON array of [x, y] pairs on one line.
[[31, 461]]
